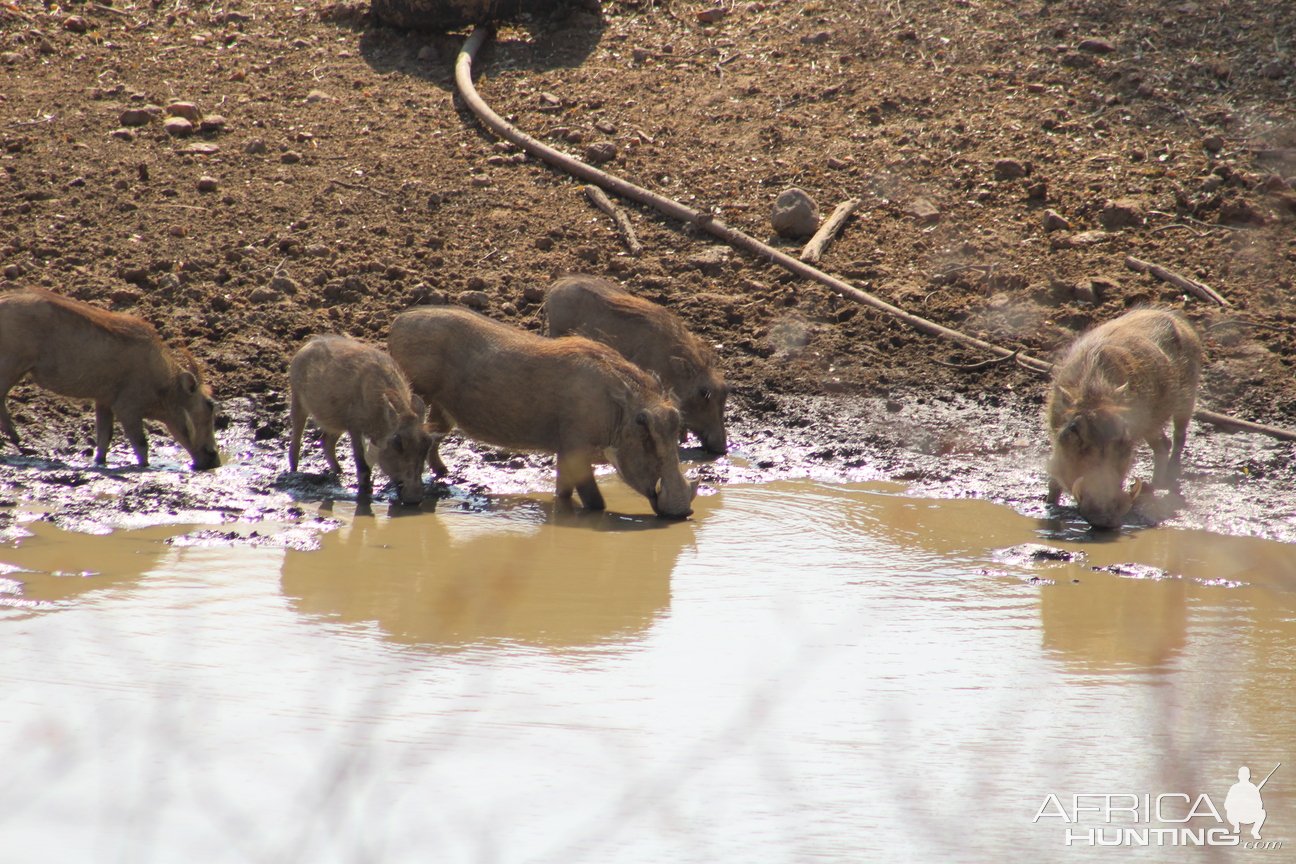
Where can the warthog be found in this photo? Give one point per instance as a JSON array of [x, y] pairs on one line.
[[117, 361], [1119, 383], [651, 337], [347, 386], [570, 396]]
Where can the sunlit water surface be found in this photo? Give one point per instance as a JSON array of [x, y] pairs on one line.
[[800, 672]]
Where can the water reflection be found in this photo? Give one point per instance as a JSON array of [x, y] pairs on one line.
[[526, 571]]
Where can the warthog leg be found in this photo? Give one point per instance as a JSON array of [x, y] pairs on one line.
[[1176, 455], [133, 428], [1054, 492], [439, 425], [6, 422], [297, 422], [330, 440], [363, 471], [576, 473], [1160, 445], [103, 432]]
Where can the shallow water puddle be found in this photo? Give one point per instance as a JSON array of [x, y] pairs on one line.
[[801, 670]]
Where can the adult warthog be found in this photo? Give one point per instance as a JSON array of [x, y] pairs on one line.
[[115, 360], [653, 338], [1119, 383], [572, 397]]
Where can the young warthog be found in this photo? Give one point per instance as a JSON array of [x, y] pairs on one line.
[[1116, 384], [570, 396], [117, 361], [651, 337], [351, 387]]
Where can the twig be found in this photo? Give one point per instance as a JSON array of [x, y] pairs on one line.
[[359, 186], [602, 202], [984, 364], [828, 231], [1192, 286]]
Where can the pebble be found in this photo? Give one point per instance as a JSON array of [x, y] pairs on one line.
[[795, 214], [291, 157], [123, 134], [1010, 169], [712, 15], [214, 123], [1121, 213], [207, 184], [1055, 221], [481, 180], [474, 299], [605, 127], [1212, 143], [1097, 46], [283, 285], [134, 117], [75, 24], [820, 38], [255, 146], [533, 294], [924, 210], [601, 151], [318, 96], [711, 260], [177, 126], [1084, 238], [187, 110]]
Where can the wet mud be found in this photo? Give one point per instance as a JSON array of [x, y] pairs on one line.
[[952, 446]]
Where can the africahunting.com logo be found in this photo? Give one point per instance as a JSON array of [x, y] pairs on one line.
[[1167, 819]]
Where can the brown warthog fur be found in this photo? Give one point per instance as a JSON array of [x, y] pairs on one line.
[[1118, 383], [347, 386], [117, 361], [653, 338], [571, 396]]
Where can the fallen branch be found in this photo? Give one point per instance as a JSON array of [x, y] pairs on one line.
[[1192, 286], [828, 231], [984, 364], [604, 203], [739, 240]]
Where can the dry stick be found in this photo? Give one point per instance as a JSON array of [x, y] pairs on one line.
[[972, 367], [604, 203], [828, 231], [739, 240], [1192, 286]]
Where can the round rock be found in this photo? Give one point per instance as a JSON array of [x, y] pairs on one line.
[[177, 126], [795, 214]]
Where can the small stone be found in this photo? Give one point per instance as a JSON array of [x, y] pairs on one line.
[[836, 164], [1010, 169], [474, 299], [318, 96], [639, 55], [924, 210], [600, 152], [1212, 143], [550, 102], [820, 38], [1054, 221], [75, 24], [1097, 46], [255, 147], [134, 117], [199, 149], [9, 58], [533, 294], [544, 244], [187, 110], [208, 184], [123, 134], [573, 136], [290, 157], [283, 285], [1121, 213], [711, 260], [712, 15], [177, 126], [795, 214], [481, 180], [214, 123], [605, 127], [428, 54], [264, 294], [1081, 240], [1274, 69], [13, 271]]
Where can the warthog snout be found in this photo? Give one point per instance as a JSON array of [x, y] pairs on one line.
[[1105, 505], [666, 511], [206, 459]]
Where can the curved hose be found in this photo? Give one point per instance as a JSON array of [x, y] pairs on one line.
[[740, 240]]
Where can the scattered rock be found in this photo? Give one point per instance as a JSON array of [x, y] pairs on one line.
[[187, 110], [795, 214], [199, 149], [283, 285], [923, 210], [75, 24], [1081, 240], [318, 96], [1121, 213], [533, 294], [712, 15], [135, 117], [544, 244], [207, 184], [605, 127], [1097, 46], [550, 102], [474, 299], [177, 127], [481, 180], [1054, 221], [837, 164], [1212, 143], [290, 157], [264, 294], [123, 134], [255, 147], [600, 152], [820, 38], [711, 260], [214, 123], [1010, 169]]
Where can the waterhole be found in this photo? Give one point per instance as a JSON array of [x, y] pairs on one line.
[[802, 671]]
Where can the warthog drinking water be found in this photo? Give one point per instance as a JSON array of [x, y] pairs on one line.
[[117, 361], [1118, 383], [571, 396], [651, 337], [351, 387]]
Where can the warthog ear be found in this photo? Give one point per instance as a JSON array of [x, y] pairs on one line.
[[418, 406], [188, 382]]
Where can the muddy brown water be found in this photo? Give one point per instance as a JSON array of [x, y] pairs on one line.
[[804, 670]]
